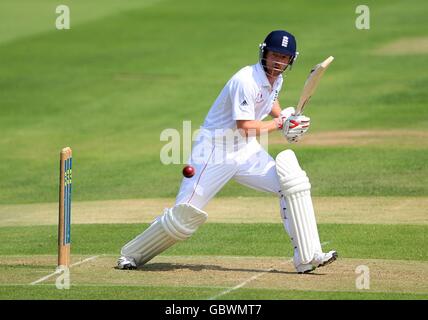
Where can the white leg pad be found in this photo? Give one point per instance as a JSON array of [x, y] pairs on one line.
[[296, 188], [176, 224]]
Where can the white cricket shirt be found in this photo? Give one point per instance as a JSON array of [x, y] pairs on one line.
[[248, 95]]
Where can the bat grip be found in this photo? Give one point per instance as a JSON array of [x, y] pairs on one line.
[[298, 112]]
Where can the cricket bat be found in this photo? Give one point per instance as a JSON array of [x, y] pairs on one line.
[[311, 83]]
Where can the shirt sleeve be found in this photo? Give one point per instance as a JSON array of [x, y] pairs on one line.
[[243, 101]]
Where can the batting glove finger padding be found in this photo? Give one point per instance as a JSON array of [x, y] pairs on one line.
[[295, 127], [284, 115]]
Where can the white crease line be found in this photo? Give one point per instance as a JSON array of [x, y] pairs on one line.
[[58, 271], [83, 261], [246, 281], [253, 278], [240, 285], [45, 278]]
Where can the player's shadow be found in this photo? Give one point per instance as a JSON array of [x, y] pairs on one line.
[[156, 267]]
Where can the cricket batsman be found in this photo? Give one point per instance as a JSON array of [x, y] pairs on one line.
[[245, 101]]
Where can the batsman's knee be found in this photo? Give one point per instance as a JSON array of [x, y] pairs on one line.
[[182, 220]]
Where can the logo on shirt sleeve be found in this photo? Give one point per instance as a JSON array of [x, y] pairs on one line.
[[244, 103]]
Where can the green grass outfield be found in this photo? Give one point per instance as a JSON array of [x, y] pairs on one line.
[[109, 86], [351, 240], [128, 70]]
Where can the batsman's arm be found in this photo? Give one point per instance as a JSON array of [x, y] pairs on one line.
[[256, 127], [276, 110]]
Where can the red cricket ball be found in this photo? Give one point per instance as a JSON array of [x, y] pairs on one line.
[[188, 171]]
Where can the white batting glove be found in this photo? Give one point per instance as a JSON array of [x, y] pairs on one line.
[[286, 113], [295, 127]]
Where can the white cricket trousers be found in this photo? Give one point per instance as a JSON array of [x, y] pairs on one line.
[[217, 159], [216, 162]]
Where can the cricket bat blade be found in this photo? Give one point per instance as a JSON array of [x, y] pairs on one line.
[[311, 83]]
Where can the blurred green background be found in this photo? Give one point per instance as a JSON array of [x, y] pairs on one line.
[[126, 70]]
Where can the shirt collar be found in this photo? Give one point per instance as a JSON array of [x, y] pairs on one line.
[[262, 76]]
